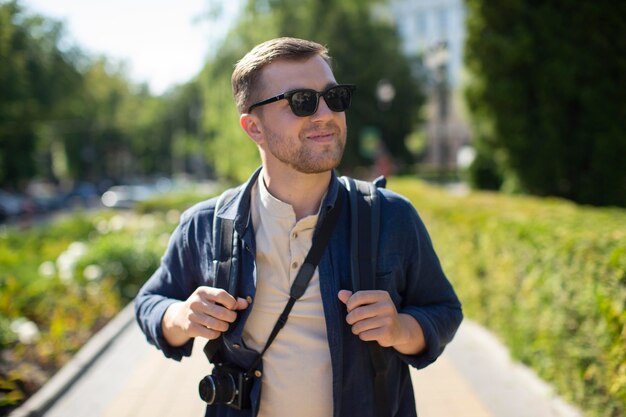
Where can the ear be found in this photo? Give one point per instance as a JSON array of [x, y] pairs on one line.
[[252, 126]]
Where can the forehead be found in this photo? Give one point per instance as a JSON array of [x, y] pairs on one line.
[[284, 75]]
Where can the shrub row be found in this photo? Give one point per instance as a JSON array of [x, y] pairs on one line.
[[60, 283], [547, 276]]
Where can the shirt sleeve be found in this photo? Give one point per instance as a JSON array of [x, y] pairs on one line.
[[427, 294], [173, 281]]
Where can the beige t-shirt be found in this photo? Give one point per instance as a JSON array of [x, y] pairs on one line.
[[297, 375]]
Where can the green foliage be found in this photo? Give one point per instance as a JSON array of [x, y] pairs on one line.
[[35, 76], [549, 277], [67, 116], [365, 49], [231, 153], [62, 283], [549, 94]]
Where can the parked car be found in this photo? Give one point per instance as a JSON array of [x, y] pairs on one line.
[[126, 196], [10, 205], [82, 194], [13, 205], [45, 196]]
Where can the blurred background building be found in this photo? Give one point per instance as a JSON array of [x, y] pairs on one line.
[[433, 33]]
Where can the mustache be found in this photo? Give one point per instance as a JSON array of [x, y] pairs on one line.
[[328, 127]]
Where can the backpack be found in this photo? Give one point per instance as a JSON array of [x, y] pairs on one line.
[[364, 204]]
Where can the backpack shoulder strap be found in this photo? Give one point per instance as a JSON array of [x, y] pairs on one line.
[[364, 230], [364, 234], [224, 241]]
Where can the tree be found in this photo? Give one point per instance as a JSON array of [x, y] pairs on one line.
[[366, 50], [35, 78], [548, 96]]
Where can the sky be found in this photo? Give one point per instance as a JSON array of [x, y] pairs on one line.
[[162, 42]]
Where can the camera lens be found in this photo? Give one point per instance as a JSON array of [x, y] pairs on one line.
[[218, 389]]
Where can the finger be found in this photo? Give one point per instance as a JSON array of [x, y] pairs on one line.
[[344, 296], [221, 313], [218, 296], [361, 298], [203, 307], [377, 335], [242, 304], [209, 322], [197, 330], [377, 329], [364, 312], [374, 323]]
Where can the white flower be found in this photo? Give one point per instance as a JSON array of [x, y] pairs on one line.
[[77, 249], [102, 227], [117, 223], [92, 272], [27, 332], [66, 262], [47, 269]]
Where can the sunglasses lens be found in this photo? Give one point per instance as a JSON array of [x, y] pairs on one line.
[[338, 98], [303, 102]]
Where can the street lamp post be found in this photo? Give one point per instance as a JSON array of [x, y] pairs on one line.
[[437, 61]]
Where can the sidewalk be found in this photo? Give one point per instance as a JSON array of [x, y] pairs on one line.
[[474, 378]]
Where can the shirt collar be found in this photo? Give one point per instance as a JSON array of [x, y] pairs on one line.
[[238, 209]]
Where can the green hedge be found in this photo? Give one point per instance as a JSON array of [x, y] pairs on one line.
[[546, 275], [59, 284]]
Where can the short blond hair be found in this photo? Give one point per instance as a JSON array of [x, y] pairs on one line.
[[247, 72]]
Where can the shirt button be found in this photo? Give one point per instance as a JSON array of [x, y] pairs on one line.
[[294, 265], [295, 235], [249, 299], [236, 345]]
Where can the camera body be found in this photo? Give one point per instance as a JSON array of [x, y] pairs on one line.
[[226, 385]]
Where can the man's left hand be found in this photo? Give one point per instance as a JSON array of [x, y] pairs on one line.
[[374, 317]]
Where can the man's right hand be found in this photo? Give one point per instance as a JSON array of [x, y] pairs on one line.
[[206, 313]]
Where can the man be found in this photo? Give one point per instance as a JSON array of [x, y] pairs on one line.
[[292, 107]]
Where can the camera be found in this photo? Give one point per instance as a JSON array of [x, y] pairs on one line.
[[227, 386]]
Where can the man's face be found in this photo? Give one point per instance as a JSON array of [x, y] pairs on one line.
[[311, 144]]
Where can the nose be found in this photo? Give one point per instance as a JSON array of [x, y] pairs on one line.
[[323, 111]]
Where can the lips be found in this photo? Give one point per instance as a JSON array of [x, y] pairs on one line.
[[321, 136]]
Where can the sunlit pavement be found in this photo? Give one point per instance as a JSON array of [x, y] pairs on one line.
[[473, 378]]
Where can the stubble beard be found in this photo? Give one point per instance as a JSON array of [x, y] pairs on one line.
[[308, 157]]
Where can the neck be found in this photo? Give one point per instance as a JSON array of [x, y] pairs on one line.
[[304, 192]]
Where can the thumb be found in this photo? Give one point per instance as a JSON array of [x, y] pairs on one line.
[[242, 304], [344, 296]]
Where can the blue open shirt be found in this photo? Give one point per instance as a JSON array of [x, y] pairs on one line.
[[407, 267]]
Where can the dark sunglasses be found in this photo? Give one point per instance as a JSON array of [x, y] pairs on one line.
[[304, 102]]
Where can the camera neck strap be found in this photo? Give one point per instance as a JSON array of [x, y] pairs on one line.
[[301, 282]]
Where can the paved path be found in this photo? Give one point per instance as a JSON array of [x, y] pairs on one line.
[[474, 378]]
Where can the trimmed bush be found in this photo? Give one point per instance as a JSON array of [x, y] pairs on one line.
[[62, 283], [546, 275]]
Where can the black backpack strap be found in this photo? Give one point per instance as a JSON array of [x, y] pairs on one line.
[[224, 240], [350, 185], [364, 234]]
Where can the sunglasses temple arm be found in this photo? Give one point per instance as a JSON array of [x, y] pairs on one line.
[[267, 101]]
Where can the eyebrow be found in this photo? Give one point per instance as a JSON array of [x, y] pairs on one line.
[[326, 87]]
